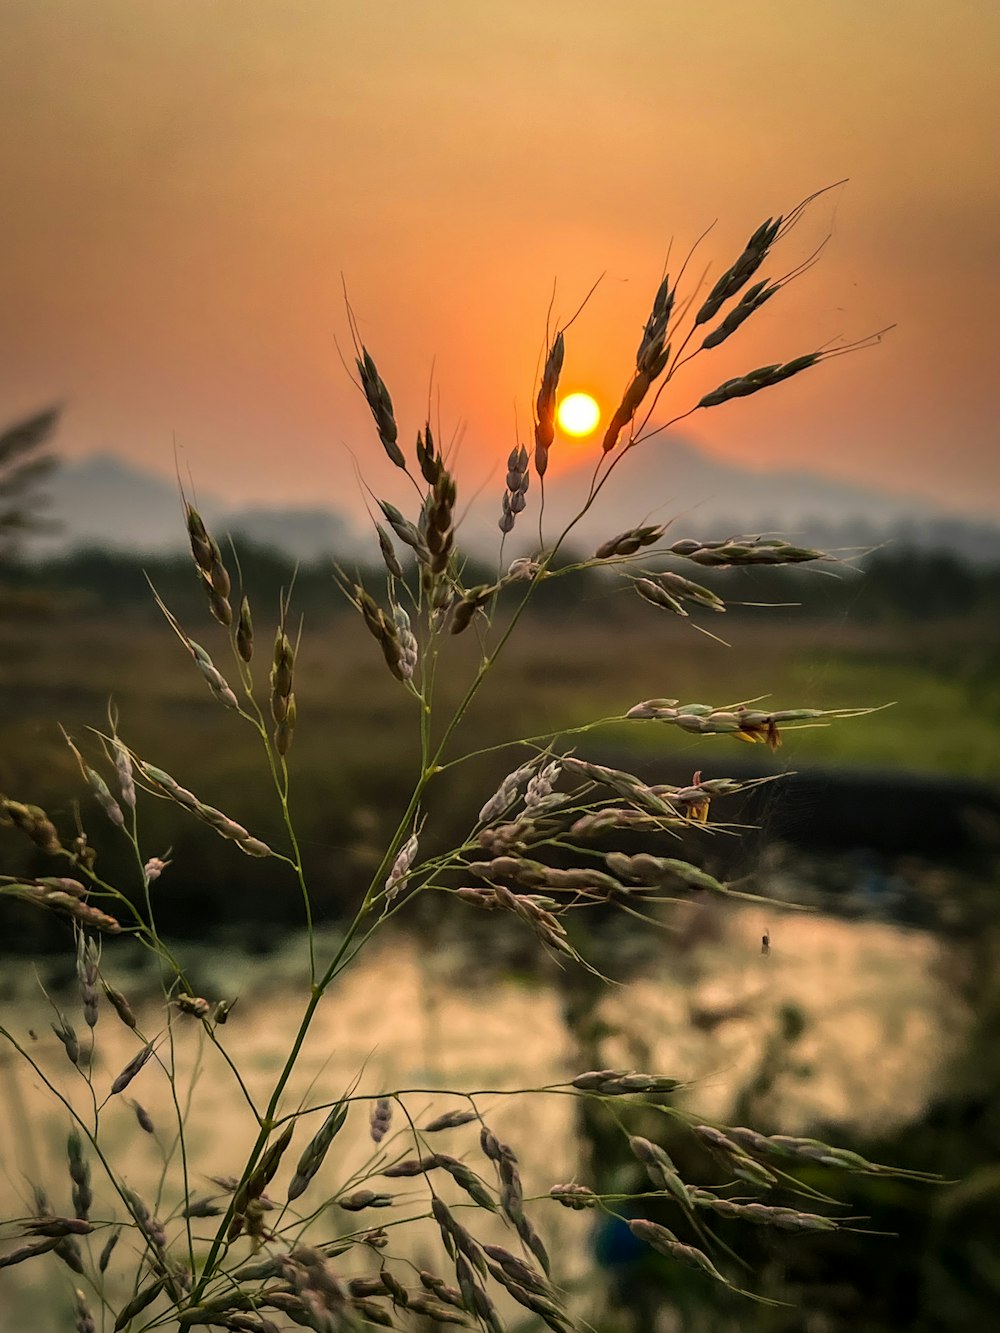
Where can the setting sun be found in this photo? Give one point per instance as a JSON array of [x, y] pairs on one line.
[[578, 414]]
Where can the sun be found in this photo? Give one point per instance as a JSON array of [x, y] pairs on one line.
[[579, 414]]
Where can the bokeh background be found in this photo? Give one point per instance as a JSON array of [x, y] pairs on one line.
[[191, 194]]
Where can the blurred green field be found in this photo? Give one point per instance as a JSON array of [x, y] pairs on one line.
[[941, 680], [356, 746]]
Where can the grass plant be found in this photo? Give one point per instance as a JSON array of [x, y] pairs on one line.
[[294, 1232]]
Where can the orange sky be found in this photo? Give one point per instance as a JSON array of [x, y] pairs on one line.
[[184, 183]]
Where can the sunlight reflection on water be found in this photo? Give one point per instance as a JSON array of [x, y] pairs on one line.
[[878, 1026]]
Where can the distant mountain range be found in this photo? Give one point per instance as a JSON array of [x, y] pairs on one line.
[[106, 502]]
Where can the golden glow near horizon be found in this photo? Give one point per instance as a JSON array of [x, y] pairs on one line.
[[578, 414]]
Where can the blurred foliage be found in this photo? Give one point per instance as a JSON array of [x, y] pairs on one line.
[[23, 470]]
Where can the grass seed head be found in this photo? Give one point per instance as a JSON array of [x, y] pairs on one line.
[[33, 822], [65, 1032], [132, 1068], [545, 404], [79, 1171], [120, 1005], [381, 1119], [107, 1250], [362, 1199], [574, 1196], [450, 1120], [380, 406], [244, 631], [389, 556], [428, 457]]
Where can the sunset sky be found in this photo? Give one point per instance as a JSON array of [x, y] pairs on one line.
[[187, 184]]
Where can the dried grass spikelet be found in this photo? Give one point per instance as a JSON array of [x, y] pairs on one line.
[[142, 1118], [651, 359], [406, 531], [33, 822], [437, 522], [609, 817], [475, 1296], [323, 1296], [88, 958], [665, 1242], [517, 488], [79, 1173], [658, 871], [249, 1192], [508, 792], [472, 600], [745, 724], [764, 377], [28, 1251], [84, 1314], [410, 1167], [526, 1286], [466, 1179], [750, 302], [104, 1258], [66, 1033], [283, 709], [201, 1207], [628, 543], [150, 1225], [545, 404], [154, 868], [547, 928], [438, 1313], [670, 590], [741, 271], [437, 1285], [389, 557], [524, 569], [660, 1169], [454, 1236], [120, 1005], [195, 1006], [383, 629], [512, 1193], [213, 677], [211, 570], [401, 868], [577, 1197], [132, 1068], [362, 1199], [123, 769], [449, 1120], [143, 1298], [541, 785], [244, 631], [622, 1082], [165, 785], [785, 1219], [744, 551], [380, 406], [409, 648], [54, 1226], [429, 458], [381, 1119], [737, 1160], [316, 1149], [812, 1150], [85, 913]]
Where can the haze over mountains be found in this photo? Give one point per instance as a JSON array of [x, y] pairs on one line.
[[105, 502]]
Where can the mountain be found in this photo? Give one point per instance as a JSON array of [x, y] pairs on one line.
[[104, 501]]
